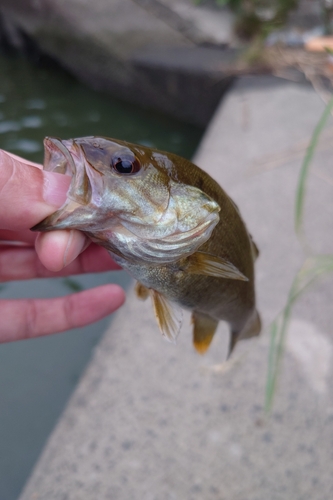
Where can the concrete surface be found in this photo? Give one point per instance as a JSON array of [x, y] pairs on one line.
[[155, 421], [99, 42]]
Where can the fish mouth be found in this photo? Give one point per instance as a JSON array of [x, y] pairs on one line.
[[57, 157], [65, 157]]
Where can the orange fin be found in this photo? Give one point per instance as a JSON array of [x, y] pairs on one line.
[[252, 328], [142, 292], [211, 265], [169, 317], [204, 328]]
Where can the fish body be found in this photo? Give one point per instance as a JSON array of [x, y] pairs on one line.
[[169, 224]]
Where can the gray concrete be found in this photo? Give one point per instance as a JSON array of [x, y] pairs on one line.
[[150, 420], [101, 42]]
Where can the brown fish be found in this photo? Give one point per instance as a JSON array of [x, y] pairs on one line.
[[169, 224]]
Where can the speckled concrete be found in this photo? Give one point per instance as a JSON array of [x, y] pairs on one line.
[[154, 421]]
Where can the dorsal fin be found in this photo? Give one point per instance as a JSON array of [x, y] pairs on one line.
[[252, 328], [255, 249]]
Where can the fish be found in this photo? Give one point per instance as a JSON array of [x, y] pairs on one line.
[[166, 222]]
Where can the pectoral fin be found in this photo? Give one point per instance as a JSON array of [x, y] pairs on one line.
[[204, 328], [252, 328], [169, 316], [142, 292], [211, 265]]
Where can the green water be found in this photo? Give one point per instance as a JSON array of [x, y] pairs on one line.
[[38, 376]]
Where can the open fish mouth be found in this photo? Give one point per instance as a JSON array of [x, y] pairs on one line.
[[57, 157], [65, 157]]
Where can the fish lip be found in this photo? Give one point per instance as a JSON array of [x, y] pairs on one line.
[[54, 152]]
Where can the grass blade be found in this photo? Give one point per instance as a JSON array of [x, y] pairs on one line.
[[312, 269], [271, 381], [278, 333], [73, 285], [300, 193]]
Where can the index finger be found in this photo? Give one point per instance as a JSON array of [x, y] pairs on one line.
[[28, 318], [22, 263]]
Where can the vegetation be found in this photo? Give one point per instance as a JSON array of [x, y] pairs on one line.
[[258, 17], [314, 267]]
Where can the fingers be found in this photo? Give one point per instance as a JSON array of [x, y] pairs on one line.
[[58, 249], [25, 236], [23, 319], [17, 263], [28, 194]]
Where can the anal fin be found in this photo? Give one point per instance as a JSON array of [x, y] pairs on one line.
[[204, 328]]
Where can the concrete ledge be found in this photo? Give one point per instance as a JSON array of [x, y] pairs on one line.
[[191, 80], [150, 420]]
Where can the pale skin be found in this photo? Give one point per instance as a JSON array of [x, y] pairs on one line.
[[28, 195]]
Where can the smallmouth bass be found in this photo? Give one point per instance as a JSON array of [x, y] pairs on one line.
[[166, 222]]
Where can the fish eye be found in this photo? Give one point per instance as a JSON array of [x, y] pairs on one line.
[[125, 164]]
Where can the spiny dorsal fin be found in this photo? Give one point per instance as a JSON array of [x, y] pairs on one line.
[[142, 292], [204, 328], [211, 265], [169, 316]]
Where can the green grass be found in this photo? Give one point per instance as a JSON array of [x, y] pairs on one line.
[[301, 187], [314, 267], [73, 284]]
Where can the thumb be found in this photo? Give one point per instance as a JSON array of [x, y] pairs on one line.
[[27, 193]]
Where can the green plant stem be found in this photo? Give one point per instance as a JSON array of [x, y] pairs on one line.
[[310, 272], [278, 336], [73, 284], [300, 193]]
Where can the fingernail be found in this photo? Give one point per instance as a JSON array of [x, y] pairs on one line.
[[76, 243], [55, 188]]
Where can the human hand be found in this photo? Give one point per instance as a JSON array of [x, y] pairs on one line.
[[28, 195]]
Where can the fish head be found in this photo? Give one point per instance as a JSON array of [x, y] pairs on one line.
[[108, 180], [127, 197]]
